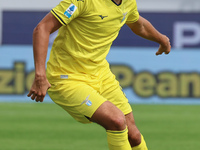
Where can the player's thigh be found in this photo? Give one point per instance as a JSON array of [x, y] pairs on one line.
[[110, 117], [77, 98], [112, 91]]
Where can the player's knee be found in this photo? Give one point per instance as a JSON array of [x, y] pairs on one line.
[[118, 123], [134, 138]]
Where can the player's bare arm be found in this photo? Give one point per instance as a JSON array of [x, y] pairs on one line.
[[145, 29], [41, 33]]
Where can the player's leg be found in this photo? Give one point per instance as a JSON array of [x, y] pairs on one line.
[[110, 117], [113, 120], [135, 137], [82, 101], [113, 92]]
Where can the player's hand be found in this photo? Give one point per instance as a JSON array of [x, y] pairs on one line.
[[165, 47], [39, 89]]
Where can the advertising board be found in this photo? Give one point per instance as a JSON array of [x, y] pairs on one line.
[[183, 29], [145, 77]]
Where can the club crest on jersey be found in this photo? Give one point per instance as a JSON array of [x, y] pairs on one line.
[[87, 101], [70, 10], [124, 14]]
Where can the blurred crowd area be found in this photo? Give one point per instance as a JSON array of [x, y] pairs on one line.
[[143, 5]]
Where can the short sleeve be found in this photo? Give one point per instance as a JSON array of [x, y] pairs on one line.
[[134, 14], [68, 10]]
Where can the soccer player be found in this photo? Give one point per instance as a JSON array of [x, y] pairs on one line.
[[78, 77]]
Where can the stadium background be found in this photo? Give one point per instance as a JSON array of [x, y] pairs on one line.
[[171, 82], [146, 78]]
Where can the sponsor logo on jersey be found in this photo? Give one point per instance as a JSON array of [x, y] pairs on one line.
[[70, 10], [102, 17], [87, 101]]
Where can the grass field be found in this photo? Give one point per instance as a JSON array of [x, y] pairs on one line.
[[45, 126]]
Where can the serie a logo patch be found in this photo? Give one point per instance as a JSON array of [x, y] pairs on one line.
[[70, 10]]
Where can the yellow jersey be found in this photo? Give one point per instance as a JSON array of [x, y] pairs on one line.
[[84, 40]]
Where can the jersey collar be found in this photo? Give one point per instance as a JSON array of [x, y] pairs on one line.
[[116, 3]]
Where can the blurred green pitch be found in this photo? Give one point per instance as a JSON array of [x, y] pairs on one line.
[[45, 126]]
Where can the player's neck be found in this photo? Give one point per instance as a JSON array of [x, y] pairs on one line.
[[117, 1]]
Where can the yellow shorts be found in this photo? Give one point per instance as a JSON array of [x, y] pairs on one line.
[[82, 97]]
